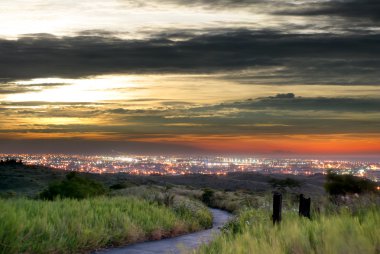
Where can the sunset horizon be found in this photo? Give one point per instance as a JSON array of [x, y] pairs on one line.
[[190, 126], [271, 78]]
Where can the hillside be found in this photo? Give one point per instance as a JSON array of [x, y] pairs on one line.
[[30, 180]]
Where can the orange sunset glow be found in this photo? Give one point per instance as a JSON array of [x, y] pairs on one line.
[[292, 144], [223, 77]]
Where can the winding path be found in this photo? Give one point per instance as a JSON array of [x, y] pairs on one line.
[[177, 244]]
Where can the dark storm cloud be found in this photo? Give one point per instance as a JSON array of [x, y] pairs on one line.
[[320, 55], [363, 9]]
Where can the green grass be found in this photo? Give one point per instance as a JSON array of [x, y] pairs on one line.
[[187, 207], [340, 232], [71, 226]]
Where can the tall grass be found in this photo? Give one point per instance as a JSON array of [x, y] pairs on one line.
[[70, 226], [341, 232], [187, 206]]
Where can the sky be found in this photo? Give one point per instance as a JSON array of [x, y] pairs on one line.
[[252, 77]]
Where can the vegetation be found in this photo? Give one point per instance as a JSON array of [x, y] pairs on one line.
[[207, 196], [339, 232], [121, 185], [30, 181], [74, 186], [71, 217], [348, 184], [141, 208], [348, 226], [233, 201], [10, 162], [70, 226], [282, 184], [185, 205]]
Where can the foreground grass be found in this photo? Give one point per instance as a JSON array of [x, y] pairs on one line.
[[70, 226], [341, 232]]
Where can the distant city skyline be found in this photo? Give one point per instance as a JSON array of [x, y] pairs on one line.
[[251, 77], [184, 165]]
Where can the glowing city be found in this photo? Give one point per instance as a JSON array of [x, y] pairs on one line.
[[171, 165]]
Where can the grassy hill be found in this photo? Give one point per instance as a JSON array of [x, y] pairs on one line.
[[30, 180], [126, 212], [27, 180], [173, 202]]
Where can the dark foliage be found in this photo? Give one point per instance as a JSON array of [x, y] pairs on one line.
[[11, 162], [207, 196], [169, 199], [74, 186], [284, 183], [347, 184], [119, 186]]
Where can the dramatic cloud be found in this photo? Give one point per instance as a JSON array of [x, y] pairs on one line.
[[177, 75], [362, 9], [7, 89], [17, 88], [304, 56], [282, 113], [80, 146], [219, 3]]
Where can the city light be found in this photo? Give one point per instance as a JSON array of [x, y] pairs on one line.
[[172, 165]]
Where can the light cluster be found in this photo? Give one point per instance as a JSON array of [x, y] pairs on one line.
[[172, 165]]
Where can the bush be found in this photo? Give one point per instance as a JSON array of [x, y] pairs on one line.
[[74, 186], [119, 186], [207, 196], [347, 184], [282, 184]]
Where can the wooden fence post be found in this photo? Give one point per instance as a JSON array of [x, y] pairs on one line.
[[277, 207], [304, 208]]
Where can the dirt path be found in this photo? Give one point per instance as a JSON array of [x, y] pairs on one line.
[[177, 244]]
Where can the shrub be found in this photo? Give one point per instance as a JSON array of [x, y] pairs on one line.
[[282, 184], [207, 196], [74, 186], [11, 162], [119, 186], [347, 184]]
